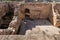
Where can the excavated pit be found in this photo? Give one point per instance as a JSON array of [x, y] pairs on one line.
[[6, 19], [29, 24], [28, 18]]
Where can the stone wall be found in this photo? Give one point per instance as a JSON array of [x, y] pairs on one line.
[[14, 24], [57, 12], [38, 11]]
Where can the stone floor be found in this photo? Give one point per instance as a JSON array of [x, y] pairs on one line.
[[29, 24]]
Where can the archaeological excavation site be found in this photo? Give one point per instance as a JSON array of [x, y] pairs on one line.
[[30, 20]]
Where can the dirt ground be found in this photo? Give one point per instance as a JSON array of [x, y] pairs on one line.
[[38, 33]]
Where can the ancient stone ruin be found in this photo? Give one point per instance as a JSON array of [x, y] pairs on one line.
[[21, 18]]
